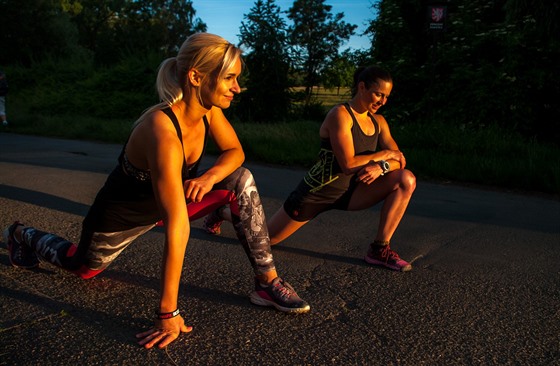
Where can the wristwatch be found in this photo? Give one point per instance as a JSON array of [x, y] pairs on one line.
[[384, 166]]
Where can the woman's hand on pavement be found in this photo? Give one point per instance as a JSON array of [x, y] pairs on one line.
[[164, 332]]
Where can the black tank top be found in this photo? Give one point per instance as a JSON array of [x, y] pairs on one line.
[[327, 172], [127, 199], [186, 171]]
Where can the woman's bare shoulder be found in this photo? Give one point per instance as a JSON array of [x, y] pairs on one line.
[[338, 115], [154, 128]]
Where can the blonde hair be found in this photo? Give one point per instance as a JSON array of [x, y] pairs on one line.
[[211, 55]]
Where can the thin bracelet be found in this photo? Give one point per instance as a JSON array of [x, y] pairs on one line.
[[162, 316]]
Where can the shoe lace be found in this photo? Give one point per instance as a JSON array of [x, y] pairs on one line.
[[17, 248], [18, 253], [388, 254], [284, 291]]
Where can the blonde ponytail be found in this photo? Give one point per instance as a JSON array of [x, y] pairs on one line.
[[211, 55]]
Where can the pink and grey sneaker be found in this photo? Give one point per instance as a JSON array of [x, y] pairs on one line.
[[383, 255], [280, 295], [20, 254], [213, 221]]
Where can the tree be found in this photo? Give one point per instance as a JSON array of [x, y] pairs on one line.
[[264, 32], [532, 65], [115, 28], [340, 71], [494, 63], [316, 36], [401, 44], [32, 31], [171, 22]]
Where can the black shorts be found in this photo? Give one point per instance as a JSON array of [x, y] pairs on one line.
[[304, 205]]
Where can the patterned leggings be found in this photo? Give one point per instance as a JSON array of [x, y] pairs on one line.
[[98, 249]]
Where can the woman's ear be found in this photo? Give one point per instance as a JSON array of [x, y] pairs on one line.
[[194, 77], [361, 86]]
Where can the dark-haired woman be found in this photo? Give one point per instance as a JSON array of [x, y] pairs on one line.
[[359, 166]]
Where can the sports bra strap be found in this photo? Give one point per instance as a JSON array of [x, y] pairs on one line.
[[375, 124], [173, 118]]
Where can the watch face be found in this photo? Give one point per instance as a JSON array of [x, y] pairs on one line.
[[385, 166]]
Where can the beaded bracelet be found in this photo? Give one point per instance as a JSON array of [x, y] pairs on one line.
[[162, 316]]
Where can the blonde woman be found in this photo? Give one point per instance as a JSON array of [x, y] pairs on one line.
[[157, 179]]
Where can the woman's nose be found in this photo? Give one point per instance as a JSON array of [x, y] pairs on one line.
[[236, 88]]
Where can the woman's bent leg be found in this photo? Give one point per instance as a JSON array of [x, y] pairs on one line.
[[247, 216], [395, 190], [249, 220]]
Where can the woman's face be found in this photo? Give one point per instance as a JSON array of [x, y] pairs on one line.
[[226, 87], [376, 96]]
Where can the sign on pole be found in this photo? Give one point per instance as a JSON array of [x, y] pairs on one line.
[[436, 15]]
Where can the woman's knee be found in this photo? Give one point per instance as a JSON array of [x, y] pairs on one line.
[[76, 265], [245, 177], [408, 180], [238, 180]]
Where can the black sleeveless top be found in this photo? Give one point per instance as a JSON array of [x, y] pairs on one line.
[[127, 199], [326, 176]]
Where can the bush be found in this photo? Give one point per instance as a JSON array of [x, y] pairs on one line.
[[76, 87]]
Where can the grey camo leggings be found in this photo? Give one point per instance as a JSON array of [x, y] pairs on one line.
[[97, 250]]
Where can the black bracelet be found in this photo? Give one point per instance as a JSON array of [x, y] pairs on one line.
[[162, 316]]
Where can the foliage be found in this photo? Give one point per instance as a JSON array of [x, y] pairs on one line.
[[291, 143], [339, 72], [104, 29], [494, 63], [76, 87], [267, 94], [400, 45], [35, 30], [316, 36], [114, 28], [434, 150]]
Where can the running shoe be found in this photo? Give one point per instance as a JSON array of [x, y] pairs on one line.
[[280, 295], [386, 257], [213, 221], [20, 254]]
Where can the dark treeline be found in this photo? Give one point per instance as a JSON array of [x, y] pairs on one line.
[[494, 62], [468, 63]]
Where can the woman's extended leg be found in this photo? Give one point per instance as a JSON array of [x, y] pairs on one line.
[[281, 226], [94, 253]]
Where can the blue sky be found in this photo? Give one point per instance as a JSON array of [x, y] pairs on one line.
[[224, 17]]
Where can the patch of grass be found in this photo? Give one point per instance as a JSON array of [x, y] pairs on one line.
[[67, 126], [79, 128], [487, 156], [291, 143]]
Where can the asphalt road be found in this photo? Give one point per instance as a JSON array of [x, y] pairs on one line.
[[485, 288]]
